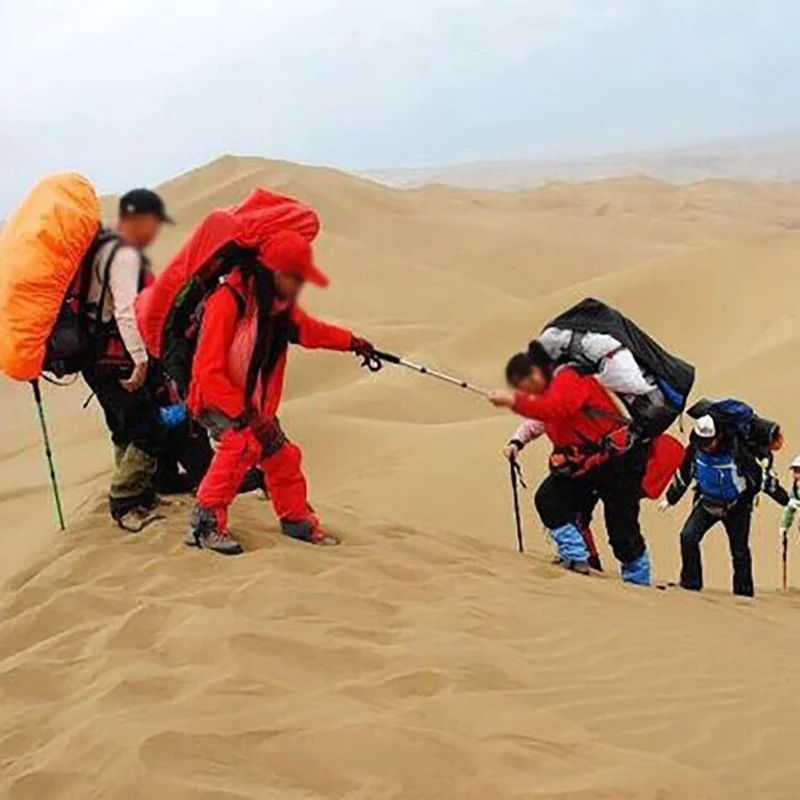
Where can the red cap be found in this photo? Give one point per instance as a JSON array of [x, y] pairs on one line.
[[289, 252]]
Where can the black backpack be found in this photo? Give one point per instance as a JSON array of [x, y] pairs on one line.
[[72, 342], [651, 414], [79, 336]]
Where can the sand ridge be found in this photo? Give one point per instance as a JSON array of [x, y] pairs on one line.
[[425, 658]]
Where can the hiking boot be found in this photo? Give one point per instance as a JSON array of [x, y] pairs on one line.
[[204, 533], [308, 531], [136, 519], [637, 571]]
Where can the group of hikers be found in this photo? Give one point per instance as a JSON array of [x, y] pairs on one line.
[[189, 367], [234, 389], [598, 455]]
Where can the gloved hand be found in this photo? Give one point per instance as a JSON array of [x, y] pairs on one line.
[[362, 347], [173, 416], [793, 504], [664, 506], [511, 451]]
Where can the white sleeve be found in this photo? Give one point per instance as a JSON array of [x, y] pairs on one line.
[[123, 286], [555, 342], [528, 430], [597, 346], [623, 375]]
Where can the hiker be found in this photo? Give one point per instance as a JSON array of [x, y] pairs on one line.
[[592, 455], [237, 383], [528, 431], [793, 505], [727, 478], [117, 371]]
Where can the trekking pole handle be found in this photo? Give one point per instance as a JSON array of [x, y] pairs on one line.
[[389, 358]]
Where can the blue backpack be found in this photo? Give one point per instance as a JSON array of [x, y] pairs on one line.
[[740, 423], [718, 477]]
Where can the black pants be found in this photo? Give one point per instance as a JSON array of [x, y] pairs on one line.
[[138, 436], [131, 417], [186, 446], [737, 526], [617, 483]]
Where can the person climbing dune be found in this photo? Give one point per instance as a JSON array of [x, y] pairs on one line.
[[592, 455], [117, 371], [529, 431], [237, 383], [727, 479]]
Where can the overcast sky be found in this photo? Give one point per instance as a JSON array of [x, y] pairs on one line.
[[136, 91]]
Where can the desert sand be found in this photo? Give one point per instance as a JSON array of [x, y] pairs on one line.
[[425, 658]]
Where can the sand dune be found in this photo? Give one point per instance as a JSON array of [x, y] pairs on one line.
[[424, 658]]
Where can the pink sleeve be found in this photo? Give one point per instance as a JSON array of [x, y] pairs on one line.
[[529, 430]]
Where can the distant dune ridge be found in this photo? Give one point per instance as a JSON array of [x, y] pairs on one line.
[[765, 158], [424, 658]]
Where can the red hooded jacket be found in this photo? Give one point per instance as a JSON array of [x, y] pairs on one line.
[[575, 409], [225, 348]]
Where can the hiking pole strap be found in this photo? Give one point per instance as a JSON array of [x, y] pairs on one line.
[[37, 396], [514, 467], [390, 358]]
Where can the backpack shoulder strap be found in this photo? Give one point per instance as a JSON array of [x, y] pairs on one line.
[[105, 267], [241, 303]]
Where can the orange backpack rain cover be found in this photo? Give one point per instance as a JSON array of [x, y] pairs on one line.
[[41, 249]]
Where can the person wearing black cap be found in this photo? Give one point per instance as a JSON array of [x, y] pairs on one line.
[[119, 369]]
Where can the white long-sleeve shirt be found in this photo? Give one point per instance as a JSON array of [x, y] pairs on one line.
[[123, 287]]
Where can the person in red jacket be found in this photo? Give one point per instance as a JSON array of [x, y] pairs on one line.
[[592, 456], [237, 383]]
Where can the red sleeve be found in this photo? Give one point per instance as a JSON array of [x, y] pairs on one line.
[[567, 394], [210, 365], [317, 335]]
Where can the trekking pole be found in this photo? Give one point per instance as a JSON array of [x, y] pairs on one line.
[[785, 560], [37, 396], [376, 362], [516, 480]]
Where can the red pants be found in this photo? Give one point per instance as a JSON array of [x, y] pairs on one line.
[[238, 452]]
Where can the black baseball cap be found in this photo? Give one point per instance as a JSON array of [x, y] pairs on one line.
[[144, 201]]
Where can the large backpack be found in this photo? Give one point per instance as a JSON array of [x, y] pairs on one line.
[[651, 414], [740, 424], [169, 311], [46, 250]]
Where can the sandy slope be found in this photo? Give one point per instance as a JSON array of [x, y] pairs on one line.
[[424, 659]]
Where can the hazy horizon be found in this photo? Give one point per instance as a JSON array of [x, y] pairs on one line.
[[136, 92]]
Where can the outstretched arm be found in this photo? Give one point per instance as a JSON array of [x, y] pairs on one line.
[[528, 431], [772, 488], [314, 334]]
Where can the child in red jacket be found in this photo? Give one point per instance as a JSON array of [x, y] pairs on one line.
[[237, 384]]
